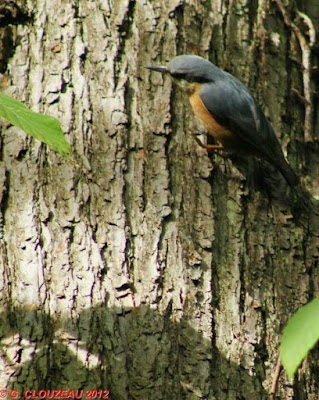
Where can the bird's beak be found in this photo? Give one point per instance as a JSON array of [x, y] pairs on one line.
[[162, 69]]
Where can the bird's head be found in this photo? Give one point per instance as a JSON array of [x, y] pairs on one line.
[[189, 70]]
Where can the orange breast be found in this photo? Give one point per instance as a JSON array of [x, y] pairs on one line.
[[218, 131]]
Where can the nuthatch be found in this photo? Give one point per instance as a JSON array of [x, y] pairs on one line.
[[228, 110]]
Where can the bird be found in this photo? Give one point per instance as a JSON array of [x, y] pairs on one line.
[[228, 110]]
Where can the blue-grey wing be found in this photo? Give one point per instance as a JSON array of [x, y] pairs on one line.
[[233, 106]]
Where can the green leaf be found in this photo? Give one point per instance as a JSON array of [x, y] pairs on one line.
[[42, 127], [299, 336]]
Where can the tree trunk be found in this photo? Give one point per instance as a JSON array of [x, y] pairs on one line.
[[150, 269]]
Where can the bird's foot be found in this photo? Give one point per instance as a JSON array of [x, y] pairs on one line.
[[211, 148]]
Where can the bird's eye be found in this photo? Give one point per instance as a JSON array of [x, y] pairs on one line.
[[185, 77], [178, 75], [202, 80], [190, 77]]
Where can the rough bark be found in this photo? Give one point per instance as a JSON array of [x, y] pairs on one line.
[[150, 269]]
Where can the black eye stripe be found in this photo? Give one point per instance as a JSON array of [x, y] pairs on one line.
[[203, 80], [179, 75], [190, 78]]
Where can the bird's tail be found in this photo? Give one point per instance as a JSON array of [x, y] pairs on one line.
[[287, 172]]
